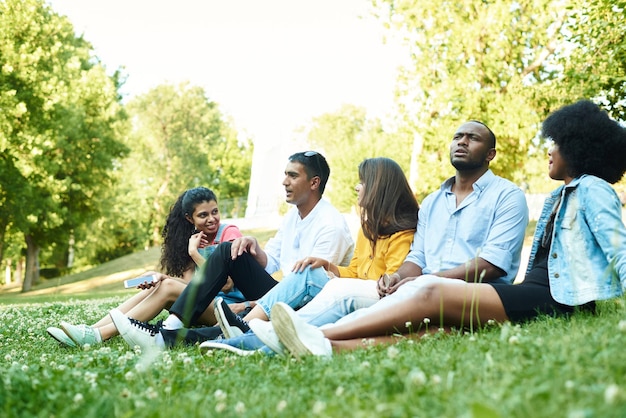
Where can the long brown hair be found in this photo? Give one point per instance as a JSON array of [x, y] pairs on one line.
[[388, 204]]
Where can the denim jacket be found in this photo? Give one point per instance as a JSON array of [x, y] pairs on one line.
[[587, 257]]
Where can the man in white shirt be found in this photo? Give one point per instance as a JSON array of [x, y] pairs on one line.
[[312, 228]]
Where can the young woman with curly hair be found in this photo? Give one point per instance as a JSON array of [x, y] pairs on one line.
[[192, 229]]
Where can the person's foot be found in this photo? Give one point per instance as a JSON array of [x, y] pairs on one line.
[[81, 334], [60, 335], [297, 336], [136, 333], [264, 331], [230, 323]]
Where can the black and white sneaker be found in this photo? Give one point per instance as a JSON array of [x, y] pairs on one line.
[[136, 333], [231, 324]]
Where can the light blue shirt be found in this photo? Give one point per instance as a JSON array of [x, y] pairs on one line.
[[587, 258], [489, 223]]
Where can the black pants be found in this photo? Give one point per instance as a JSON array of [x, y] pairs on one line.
[[247, 274]]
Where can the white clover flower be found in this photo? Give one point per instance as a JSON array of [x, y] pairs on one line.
[[220, 407], [281, 406], [491, 322], [513, 339], [611, 393], [408, 324], [569, 385], [7, 357], [129, 376], [125, 393], [416, 377], [25, 367], [392, 351], [240, 408], [365, 365], [187, 360], [220, 395], [151, 393], [339, 391], [319, 407], [78, 398], [427, 321], [435, 379], [622, 325], [86, 347]]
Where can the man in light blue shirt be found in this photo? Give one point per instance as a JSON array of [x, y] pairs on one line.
[[471, 229]]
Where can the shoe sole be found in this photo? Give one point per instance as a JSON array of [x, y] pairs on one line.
[[211, 345], [287, 333], [228, 330], [64, 339]]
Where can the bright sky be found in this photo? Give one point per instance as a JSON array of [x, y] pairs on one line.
[[270, 64]]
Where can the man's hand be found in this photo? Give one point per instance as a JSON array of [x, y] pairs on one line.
[[244, 244], [389, 283]]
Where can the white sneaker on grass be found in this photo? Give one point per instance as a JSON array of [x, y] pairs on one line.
[[82, 334], [136, 333], [296, 335], [60, 335], [264, 330]]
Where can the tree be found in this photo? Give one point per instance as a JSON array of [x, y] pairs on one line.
[[346, 137], [507, 64], [180, 140], [60, 135]]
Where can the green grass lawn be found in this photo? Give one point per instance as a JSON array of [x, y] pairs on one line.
[[548, 368]]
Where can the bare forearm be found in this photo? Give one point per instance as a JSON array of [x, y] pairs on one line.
[[474, 270]]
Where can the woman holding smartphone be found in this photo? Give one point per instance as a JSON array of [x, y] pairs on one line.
[[191, 232]]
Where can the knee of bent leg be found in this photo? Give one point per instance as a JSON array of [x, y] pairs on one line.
[[171, 289], [429, 291]]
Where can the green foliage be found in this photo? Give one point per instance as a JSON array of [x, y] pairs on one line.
[[548, 368], [179, 140], [597, 65], [347, 137], [506, 64], [59, 131]]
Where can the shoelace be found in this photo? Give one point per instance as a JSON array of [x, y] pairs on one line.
[[153, 329], [231, 316]]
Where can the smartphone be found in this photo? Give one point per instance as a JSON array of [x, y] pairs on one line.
[[139, 280]]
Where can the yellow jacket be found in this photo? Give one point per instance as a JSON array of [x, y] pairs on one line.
[[390, 254]]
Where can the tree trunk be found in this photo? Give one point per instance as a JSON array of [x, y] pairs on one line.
[[32, 264]]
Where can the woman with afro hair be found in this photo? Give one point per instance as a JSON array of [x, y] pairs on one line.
[[578, 253]]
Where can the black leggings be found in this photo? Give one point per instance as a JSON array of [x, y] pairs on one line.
[[247, 274]]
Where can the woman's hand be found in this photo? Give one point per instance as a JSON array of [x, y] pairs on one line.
[[149, 284], [197, 241], [314, 262]]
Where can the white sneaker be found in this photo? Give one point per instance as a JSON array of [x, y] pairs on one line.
[[60, 335], [296, 335], [136, 333], [214, 345], [265, 331]]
